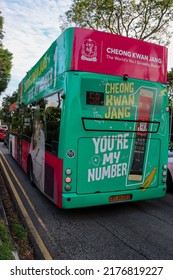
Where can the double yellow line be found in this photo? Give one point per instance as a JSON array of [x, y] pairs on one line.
[[25, 214]]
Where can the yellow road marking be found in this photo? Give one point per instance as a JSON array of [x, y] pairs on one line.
[[29, 222], [27, 198]]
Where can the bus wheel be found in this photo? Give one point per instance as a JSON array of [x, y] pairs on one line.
[[30, 172], [169, 182]]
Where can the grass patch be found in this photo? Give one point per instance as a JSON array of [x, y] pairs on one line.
[[19, 231], [5, 243]]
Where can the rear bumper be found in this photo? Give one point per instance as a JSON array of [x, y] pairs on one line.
[[72, 200]]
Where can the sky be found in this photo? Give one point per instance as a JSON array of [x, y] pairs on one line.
[[30, 28]]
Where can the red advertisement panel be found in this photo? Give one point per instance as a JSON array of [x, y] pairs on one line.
[[57, 165], [25, 152], [101, 52]]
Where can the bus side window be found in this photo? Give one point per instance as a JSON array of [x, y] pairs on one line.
[[52, 120], [27, 122], [15, 120]]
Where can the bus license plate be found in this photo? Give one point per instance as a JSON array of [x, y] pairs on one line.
[[115, 198]]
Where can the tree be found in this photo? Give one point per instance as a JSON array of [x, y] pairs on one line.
[[148, 20], [1, 25], [170, 95], [6, 102], [5, 61], [170, 77], [170, 85]]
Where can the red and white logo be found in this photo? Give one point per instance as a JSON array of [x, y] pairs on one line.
[[89, 50]]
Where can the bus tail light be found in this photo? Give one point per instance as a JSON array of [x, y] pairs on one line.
[[68, 188], [164, 166], [68, 180], [164, 173], [68, 171]]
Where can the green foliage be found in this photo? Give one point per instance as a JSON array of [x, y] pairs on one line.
[[5, 61], [170, 86], [6, 102], [1, 28], [5, 245], [5, 68], [148, 20], [53, 113], [14, 121], [170, 77], [19, 231]]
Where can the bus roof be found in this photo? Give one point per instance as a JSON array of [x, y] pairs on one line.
[[80, 49]]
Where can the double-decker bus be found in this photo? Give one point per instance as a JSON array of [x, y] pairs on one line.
[[91, 126]]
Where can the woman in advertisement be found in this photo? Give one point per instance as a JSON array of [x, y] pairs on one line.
[[37, 150]]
